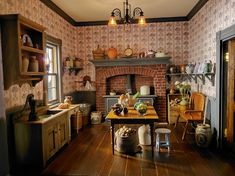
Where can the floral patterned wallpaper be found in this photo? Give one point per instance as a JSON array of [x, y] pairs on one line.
[[169, 37], [215, 15], [57, 27], [185, 42]]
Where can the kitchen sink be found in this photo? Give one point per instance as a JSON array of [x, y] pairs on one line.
[[43, 116], [52, 112], [48, 113]]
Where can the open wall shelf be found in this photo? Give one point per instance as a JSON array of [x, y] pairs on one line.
[[72, 69], [194, 77]]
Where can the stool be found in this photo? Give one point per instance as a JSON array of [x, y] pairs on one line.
[[164, 143]]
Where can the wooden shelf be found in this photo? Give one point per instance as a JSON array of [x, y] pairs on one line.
[[31, 49], [72, 69], [130, 61], [16, 31], [194, 76], [31, 79], [33, 73]]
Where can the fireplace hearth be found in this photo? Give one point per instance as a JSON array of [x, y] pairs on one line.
[[108, 78]]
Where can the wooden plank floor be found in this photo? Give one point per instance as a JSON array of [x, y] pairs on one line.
[[90, 154]]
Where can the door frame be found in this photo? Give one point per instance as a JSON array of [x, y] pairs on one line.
[[221, 36]]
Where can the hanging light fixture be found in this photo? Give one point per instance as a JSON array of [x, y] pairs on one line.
[[127, 18]]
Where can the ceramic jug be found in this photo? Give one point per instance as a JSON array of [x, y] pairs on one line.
[[207, 67], [144, 135], [25, 64], [68, 99], [33, 65]]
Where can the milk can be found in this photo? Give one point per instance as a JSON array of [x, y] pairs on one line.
[[144, 135], [203, 135]]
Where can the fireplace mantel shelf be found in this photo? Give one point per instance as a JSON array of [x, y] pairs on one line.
[[131, 61]]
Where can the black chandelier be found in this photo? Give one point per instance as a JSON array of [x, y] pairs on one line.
[[127, 18]]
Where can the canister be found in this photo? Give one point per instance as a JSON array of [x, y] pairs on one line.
[[145, 90]]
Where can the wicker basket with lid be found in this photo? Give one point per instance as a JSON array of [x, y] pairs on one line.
[[98, 53]]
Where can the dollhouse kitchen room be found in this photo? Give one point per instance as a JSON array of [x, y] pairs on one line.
[[116, 87]]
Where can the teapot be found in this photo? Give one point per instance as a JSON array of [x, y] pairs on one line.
[[151, 53], [189, 68]]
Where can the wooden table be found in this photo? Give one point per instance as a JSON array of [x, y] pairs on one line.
[[132, 117]]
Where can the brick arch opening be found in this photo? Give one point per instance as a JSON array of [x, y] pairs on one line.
[[131, 83], [157, 72]]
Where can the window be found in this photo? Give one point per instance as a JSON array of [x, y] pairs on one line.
[[53, 68]]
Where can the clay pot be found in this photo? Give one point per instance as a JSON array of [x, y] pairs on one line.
[[25, 63], [33, 65], [112, 53], [77, 62], [182, 68]]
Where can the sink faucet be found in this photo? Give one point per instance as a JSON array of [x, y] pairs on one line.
[[32, 103]]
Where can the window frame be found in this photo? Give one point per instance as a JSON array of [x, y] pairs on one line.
[[54, 42]]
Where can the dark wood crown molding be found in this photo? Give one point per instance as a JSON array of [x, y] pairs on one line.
[[60, 12], [196, 8], [148, 20]]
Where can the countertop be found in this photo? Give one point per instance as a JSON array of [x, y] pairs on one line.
[[24, 119]]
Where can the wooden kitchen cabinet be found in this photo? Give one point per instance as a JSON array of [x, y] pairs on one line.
[[37, 141], [23, 45], [56, 135]]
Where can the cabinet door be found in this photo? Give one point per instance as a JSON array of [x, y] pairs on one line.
[[62, 131], [51, 144]]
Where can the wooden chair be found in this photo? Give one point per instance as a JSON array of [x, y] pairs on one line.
[[193, 113]]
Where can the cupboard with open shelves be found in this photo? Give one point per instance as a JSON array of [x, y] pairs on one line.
[[23, 50]]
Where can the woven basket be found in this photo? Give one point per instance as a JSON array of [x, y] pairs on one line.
[[98, 53]]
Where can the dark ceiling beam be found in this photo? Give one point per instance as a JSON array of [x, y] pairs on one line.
[[60, 12], [196, 8]]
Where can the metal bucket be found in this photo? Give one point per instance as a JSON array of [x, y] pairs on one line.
[[85, 109]]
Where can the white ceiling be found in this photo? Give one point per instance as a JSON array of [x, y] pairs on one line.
[[100, 10]]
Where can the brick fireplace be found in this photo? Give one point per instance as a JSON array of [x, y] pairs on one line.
[[153, 75]]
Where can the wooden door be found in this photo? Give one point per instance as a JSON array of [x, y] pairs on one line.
[[230, 91]]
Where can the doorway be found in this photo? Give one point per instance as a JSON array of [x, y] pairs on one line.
[[226, 87], [228, 84]]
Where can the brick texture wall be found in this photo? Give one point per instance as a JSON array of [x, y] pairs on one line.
[[116, 83], [155, 73]]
